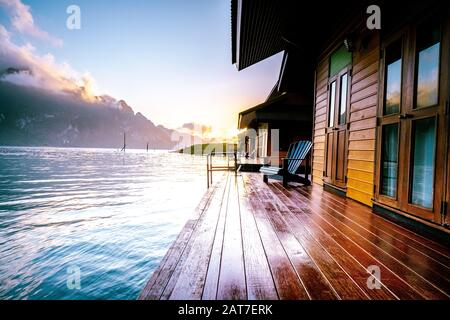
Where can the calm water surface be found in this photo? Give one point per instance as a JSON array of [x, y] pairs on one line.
[[109, 216]]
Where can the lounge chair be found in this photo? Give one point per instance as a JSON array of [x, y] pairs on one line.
[[297, 153]]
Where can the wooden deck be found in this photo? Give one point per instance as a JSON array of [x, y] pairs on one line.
[[248, 240]]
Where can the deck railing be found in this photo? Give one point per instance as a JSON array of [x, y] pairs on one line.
[[210, 167]]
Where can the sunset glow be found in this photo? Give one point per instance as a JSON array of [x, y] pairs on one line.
[[181, 75]]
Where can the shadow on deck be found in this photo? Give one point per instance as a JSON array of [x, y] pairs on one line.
[[249, 240]]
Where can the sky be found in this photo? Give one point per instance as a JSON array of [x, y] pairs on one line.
[[170, 60]]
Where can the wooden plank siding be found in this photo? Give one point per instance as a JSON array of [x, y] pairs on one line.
[[362, 121], [363, 113], [320, 118]]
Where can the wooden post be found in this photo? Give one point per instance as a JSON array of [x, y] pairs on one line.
[[210, 168], [207, 171], [235, 164], [307, 166], [285, 172]]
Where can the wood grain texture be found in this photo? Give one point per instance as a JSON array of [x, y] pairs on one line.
[[161, 276], [320, 120], [212, 277], [260, 285], [260, 241], [193, 268], [363, 112], [287, 282], [232, 284]]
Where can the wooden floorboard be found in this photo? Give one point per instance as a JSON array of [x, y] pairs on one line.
[[414, 259], [414, 276], [191, 270], [260, 283], [232, 284], [318, 226], [382, 226], [251, 240], [212, 277], [287, 282], [347, 287], [161, 276], [312, 278], [389, 242]]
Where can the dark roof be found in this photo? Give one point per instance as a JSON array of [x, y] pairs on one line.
[[255, 31], [282, 107], [263, 28]]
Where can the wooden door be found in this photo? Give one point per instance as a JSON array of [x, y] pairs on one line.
[[412, 124], [337, 129], [392, 86]]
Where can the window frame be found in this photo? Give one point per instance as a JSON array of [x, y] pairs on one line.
[[408, 115], [415, 57], [384, 120]]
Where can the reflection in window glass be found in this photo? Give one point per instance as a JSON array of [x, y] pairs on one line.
[[424, 141], [332, 103], [428, 48], [393, 80], [389, 160], [343, 102]]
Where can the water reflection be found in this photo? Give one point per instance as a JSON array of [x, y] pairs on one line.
[[110, 214]]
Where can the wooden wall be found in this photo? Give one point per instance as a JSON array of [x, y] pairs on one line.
[[320, 116], [363, 121], [362, 127]]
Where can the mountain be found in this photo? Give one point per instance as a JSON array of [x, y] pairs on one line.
[[32, 116]]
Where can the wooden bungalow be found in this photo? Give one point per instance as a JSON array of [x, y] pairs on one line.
[[287, 109], [380, 102]]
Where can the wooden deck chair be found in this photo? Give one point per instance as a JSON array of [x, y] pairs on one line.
[[297, 153]]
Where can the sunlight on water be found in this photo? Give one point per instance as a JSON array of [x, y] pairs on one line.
[[113, 216]]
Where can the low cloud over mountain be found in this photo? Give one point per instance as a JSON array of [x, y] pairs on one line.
[[43, 102], [36, 117]]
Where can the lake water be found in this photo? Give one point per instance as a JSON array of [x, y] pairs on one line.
[[90, 223]]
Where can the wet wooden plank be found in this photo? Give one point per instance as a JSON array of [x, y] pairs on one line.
[[257, 241], [289, 286], [412, 261], [161, 276], [413, 278], [212, 277], [192, 268], [424, 245], [389, 243], [232, 284], [354, 286], [320, 227], [344, 286], [312, 278], [260, 284]]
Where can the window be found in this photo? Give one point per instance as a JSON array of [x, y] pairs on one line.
[[411, 122], [343, 100], [424, 144], [389, 160], [428, 52], [332, 103], [393, 78]]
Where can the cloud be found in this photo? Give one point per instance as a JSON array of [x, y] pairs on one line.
[[195, 129], [23, 66], [22, 20]]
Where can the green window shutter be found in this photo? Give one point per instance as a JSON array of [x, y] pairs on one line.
[[339, 60]]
